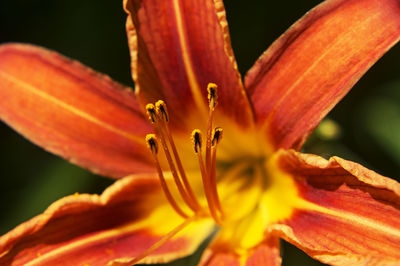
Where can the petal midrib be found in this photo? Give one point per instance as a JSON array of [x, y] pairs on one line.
[[363, 221], [70, 108], [314, 64], [194, 84]]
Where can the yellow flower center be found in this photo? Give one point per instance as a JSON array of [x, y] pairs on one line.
[[158, 115], [249, 184]]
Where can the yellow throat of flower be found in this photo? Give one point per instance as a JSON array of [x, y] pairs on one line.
[[250, 176]]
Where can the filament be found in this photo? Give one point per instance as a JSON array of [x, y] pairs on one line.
[[151, 111], [217, 136], [163, 240], [152, 144], [163, 113], [196, 136]]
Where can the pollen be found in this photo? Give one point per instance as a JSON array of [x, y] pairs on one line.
[[152, 144], [217, 136], [161, 109], [197, 140], [151, 112], [212, 95]]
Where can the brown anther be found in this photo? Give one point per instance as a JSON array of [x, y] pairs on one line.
[[212, 95], [161, 109], [196, 139], [151, 112], [152, 144], [217, 135], [158, 115]]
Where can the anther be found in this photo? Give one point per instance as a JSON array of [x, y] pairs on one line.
[[212, 95], [161, 109], [151, 141], [151, 112], [196, 139], [217, 136]]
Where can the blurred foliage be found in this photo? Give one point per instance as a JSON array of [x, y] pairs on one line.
[[378, 120], [93, 32]]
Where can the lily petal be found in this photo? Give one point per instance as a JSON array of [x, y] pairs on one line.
[[346, 214], [95, 230], [177, 48], [300, 78], [72, 111], [267, 253]]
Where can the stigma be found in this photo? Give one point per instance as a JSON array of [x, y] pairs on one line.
[[206, 153]]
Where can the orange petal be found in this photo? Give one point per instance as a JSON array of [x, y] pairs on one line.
[[177, 48], [300, 78], [267, 253], [72, 111], [95, 230], [346, 214]]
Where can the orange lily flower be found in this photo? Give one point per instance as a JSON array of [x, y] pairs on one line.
[[241, 172]]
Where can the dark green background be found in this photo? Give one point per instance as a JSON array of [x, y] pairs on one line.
[[93, 32]]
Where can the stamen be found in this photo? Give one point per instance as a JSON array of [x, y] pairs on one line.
[[151, 141], [178, 182], [162, 241], [217, 136], [162, 112], [158, 115], [212, 103], [152, 113], [197, 141]]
